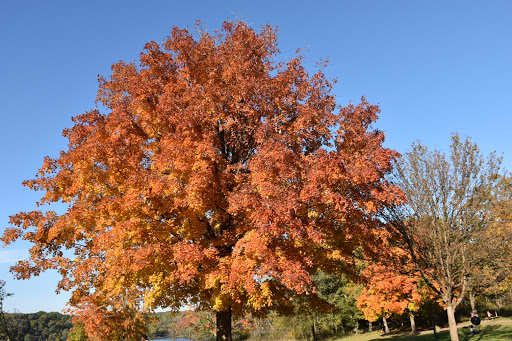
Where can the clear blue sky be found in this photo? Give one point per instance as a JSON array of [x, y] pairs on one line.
[[435, 67]]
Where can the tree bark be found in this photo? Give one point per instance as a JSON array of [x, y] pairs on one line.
[[370, 326], [224, 325], [413, 323], [385, 323], [313, 330], [356, 328], [499, 302], [452, 323], [472, 301]]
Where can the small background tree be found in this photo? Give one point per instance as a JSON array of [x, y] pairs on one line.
[[5, 328], [448, 214], [389, 292]]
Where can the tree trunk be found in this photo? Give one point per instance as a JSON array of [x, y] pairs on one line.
[[356, 328], [452, 323], [370, 326], [472, 301], [499, 302], [313, 330], [413, 323], [224, 325], [385, 323], [435, 332]]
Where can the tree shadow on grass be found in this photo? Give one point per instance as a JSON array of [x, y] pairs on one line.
[[443, 336], [496, 330], [489, 332]]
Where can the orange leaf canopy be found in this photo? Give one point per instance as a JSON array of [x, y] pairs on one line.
[[217, 176], [387, 292]]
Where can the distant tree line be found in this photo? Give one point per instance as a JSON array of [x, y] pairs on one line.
[[36, 327]]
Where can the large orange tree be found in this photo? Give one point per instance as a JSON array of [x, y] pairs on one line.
[[215, 176]]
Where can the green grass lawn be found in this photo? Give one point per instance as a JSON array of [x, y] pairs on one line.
[[499, 330]]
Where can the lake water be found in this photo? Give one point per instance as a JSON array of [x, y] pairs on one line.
[[176, 339]]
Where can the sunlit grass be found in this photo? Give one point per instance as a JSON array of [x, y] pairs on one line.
[[499, 330]]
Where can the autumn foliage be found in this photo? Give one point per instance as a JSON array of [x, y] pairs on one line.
[[388, 292], [216, 177]]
